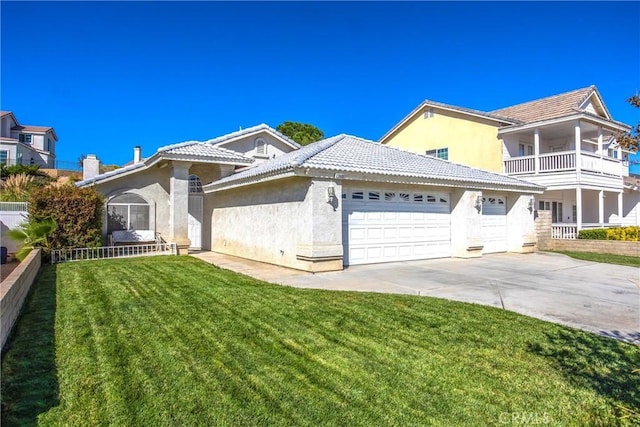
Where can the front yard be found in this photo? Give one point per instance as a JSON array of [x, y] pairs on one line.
[[175, 341]]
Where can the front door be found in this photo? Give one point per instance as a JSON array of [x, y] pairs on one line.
[[195, 222]]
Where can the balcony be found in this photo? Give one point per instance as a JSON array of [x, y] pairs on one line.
[[565, 161]]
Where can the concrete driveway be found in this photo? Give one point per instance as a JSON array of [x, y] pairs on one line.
[[601, 298]]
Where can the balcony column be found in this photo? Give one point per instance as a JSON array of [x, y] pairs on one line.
[[600, 148], [620, 207], [578, 217], [536, 149], [577, 141], [601, 208]]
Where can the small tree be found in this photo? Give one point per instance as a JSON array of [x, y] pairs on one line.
[[77, 211], [301, 133], [631, 140]]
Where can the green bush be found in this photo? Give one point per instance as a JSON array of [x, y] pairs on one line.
[[593, 234], [31, 170], [77, 211], [629, 234]]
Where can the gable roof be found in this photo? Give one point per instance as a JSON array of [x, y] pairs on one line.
[[185, 151], [28, 128], [350, 154], [563, 104], [252, 130], [467, 111]]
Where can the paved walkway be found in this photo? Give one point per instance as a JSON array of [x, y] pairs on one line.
[[602, 298]]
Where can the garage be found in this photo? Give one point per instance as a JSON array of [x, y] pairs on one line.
[[387, 225], [494, 223]]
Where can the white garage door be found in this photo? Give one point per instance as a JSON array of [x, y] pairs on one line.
[[382, 226], [494, 223]]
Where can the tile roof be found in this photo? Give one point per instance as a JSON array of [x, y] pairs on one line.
[[249, 130], [32, 128], [111, 174], [345, 153], [489, 115], [547, 108], [204, 150]]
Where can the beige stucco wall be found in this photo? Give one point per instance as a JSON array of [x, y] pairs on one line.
[[471, 141], [286, 222], [521, 228], [466, 224], [153, 185]]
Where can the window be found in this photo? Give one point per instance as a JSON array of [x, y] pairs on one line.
[[440, 153], [374, 195], [25, 138], [544, 205], [428, 113], [127, 212], [357, 195], [261, 146], [195, 185], [4, 156], [525, 150]]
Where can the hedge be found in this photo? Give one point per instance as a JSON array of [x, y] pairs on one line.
[[629, 234]]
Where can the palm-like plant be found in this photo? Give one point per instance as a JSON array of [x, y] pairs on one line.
[[33, 234]]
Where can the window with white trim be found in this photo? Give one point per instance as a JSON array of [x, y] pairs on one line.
[[525, 150], [127, 212], [439, 153], [4, 157], [25, 138]]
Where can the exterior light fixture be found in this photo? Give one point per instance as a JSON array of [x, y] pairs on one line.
[[478, 204], [331, 193]]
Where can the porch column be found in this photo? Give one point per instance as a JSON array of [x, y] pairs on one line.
[[579, 208], [600, 148], [601, 208], [536, 149], [577, 141], [179, 205], [620, 207]]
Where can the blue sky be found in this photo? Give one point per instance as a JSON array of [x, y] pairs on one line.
[[111, 75]]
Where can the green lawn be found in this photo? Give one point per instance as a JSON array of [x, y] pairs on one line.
[[174, 341], [606, 258]]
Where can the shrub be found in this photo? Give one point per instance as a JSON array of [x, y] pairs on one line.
[[16, 188], [33, 234], [593, 234], [629, 234], [31, 170], [77, 211]]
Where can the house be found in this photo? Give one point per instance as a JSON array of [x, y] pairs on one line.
[[26, 144], [564, 142], [340, 201]]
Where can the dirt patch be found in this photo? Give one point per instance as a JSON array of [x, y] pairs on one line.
[[6, 269]]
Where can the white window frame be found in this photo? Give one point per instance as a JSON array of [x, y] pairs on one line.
[[261, 147], [439, 153]]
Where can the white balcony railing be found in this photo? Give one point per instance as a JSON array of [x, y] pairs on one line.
[[564, 161], [570, 231]]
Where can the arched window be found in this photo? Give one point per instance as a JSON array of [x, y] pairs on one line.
[[261, 146], [127, 212], [195, 185]]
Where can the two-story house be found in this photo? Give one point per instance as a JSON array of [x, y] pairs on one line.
[[564, 142], [26, 144]]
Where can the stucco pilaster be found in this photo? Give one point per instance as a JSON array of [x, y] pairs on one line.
[[179, 205], [466, 220], [521, 236]]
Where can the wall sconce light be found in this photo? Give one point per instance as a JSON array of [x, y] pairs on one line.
[[532, 203], [478, 204], [331, 193]]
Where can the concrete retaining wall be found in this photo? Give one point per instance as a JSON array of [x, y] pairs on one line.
[[615, 247], [14, 290]]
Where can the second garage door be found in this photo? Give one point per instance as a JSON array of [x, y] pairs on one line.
[[383, 226], [494, 224]]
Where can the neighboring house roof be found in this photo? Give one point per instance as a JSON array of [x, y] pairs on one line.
[[345, 153], [632, 183], [468, 111], [254, 129], [563, 104], [186, 151]]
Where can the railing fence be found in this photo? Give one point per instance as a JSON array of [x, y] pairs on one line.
[[105, 252]]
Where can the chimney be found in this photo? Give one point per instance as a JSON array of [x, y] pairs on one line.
[[90, 167], [137, 154]]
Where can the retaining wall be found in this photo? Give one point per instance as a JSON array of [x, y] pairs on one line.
[[14, 290]]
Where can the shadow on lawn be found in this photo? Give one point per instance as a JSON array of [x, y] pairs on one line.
[[603, 365], [29, 374]]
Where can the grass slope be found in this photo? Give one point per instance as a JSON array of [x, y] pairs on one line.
[[174, 341]]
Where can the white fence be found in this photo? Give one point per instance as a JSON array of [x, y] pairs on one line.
[[12, 214], [104, 252]]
